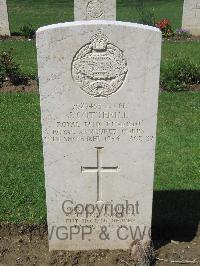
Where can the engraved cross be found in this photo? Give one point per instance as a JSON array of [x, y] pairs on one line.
[[99, 169]]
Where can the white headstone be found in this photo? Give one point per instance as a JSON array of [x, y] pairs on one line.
[[94, 9], [4, 24], [191, 16], [99, 84]]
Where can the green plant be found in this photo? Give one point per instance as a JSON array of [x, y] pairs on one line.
[[28, 31], [2, 74], [165, 26], [24, 54], [146, 15], [182, 34], [11, 69], [178, 73]]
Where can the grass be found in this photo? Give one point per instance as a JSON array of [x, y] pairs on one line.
[[40, 13], [188, 49], [171, 9], [178, 146], [25, 52], [45, 12], [21, 165]]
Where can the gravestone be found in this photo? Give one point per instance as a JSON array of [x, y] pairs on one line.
[[4, 24], [99, 84], [191, 16], [94, 9]]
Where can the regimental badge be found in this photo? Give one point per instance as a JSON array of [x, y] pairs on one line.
[[99, 67], [95, 9]]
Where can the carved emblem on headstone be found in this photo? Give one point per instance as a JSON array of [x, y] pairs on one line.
[[99, 67], [95, 9]]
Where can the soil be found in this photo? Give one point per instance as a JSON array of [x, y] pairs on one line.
[[9, 87], [33, 87], [28, 245], [17, 37], [195, 87], [178, 39]]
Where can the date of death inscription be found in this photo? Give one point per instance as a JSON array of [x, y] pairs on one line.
[[96, 123]]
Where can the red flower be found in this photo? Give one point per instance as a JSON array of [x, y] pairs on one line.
[[163, 23]]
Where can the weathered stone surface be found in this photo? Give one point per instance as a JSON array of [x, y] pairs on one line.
[[4, 24], [94, 9], [99, 84], [191, 16]]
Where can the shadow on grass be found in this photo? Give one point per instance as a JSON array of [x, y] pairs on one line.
[[176, 215]]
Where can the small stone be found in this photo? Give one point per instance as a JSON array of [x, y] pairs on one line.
[[175, 242]]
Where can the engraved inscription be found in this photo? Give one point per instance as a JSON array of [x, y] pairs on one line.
[[99, 67], [91, 122], [95, 9], [197, 10], [99, 169]]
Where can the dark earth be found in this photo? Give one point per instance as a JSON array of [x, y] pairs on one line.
[[33, 86], [18, 36], [28, 245], [9, 87]]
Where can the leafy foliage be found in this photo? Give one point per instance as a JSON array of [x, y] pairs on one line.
[[28, 31], [146, 15], [178, 73], [165, 26], [11, 70], [182, 34], [2, 74]]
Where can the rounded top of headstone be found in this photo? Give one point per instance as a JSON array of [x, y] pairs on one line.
[[99, 23]]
